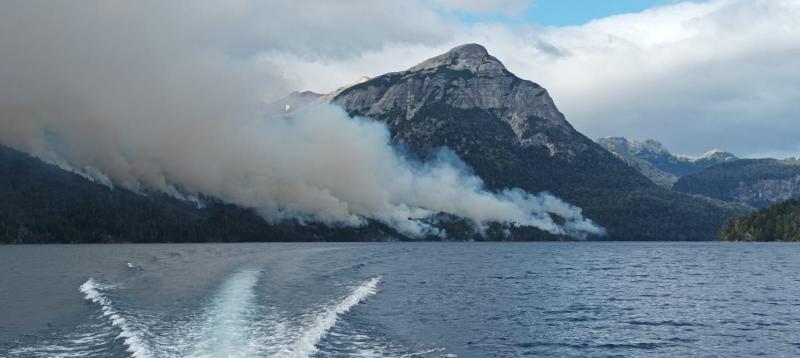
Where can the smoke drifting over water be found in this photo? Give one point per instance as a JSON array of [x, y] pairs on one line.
[[154, 96]]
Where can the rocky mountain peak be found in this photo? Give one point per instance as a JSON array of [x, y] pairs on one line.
[[633, 147], [719, 154], [653, 146], [470, 57], [468, 80], [293, 101], [328, 97]]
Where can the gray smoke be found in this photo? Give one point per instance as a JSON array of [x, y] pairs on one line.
[[170, 97]]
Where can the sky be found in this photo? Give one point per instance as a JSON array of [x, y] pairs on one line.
[[563, 12], [694, 75], [577, 12]]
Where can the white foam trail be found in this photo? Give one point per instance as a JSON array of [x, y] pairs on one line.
[[93, 291], [306, 345], [227, 331], [273, 333]]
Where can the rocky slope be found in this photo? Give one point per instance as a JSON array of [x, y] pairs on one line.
[[654, 160], [780, 222], [627, 151], [293, 101], [756, 182], [511, 133]]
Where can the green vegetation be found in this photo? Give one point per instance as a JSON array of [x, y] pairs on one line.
[[780, 222], [41, 203]]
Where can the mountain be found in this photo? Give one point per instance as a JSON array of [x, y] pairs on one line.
[[294, 100], [511, 133], [653, 159], [507, 129], [712, 157], [756, 182], [628, 150], [780, 222]]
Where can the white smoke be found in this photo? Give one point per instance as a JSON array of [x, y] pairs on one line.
[[151, 95]]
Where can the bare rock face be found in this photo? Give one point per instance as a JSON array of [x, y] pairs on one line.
[[627, 151], [768, 191], [470, 57], [466, 78], [509, 131]]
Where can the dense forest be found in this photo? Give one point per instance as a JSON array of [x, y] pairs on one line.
[[780, 222], [42, 203]]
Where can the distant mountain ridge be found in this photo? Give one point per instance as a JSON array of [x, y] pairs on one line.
[[654, 160], [511, 133], [756, 182]]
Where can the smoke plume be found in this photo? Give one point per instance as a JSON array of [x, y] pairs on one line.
[[170, 96]]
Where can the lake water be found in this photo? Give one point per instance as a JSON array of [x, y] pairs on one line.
[[577, 299]]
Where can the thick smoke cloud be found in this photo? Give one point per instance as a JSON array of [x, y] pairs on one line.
[[171, 97]]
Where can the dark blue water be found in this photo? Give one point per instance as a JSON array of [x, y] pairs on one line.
[[401, 300]]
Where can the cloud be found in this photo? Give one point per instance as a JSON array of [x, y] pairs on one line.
[[487, 7], [330, 29], [694, 75]]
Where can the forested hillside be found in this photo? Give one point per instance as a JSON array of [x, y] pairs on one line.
[[780, 222]]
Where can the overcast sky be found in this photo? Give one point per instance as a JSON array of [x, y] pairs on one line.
[[694, 75]]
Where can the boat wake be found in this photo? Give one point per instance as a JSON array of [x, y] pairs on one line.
[[235, 322]]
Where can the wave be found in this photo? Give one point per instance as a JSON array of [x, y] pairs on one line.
[[306, 345], [93, 291], [73, 345]]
